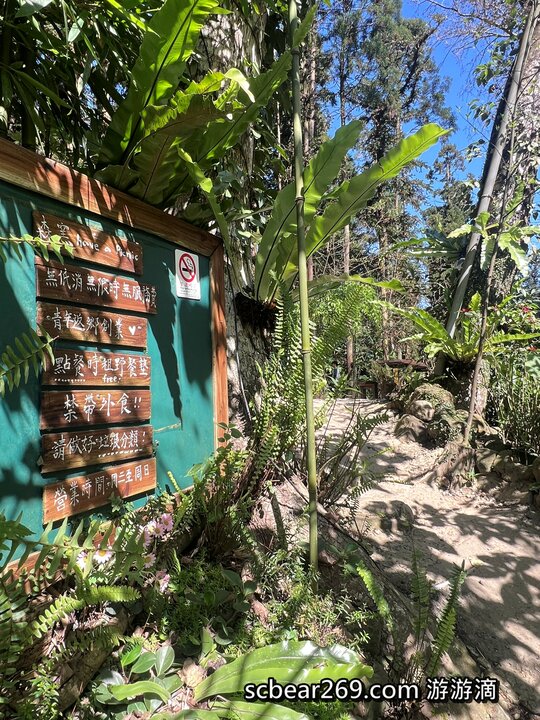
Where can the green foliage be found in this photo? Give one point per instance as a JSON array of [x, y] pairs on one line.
[[276, 261], [64, 66], [446, 625], [31, 349], [427, 656], [342, 465], [279, 422], [30, 352], [148, 679], [169, 41], [515, 398], [201, 596], [511, 239], [54, 244], [66, 604], [285, 662], [70, 556], [219, 498], [463, 347]]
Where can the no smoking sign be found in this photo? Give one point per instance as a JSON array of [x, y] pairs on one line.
[[188, 283]]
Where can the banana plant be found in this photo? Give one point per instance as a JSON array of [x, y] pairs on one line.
[[169, 132], [327, 208]]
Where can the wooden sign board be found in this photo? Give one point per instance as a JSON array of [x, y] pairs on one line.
[[86, 492], [90, 287], [81, 448], [85, 367], [93, 407], [92, 245], [94, 326]]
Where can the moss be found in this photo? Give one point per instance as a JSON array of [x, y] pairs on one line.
[[437, 396]]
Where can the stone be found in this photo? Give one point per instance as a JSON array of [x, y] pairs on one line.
[[447, 426], [455, 466], [411, 429], [535, 469], [486, 482], [513, 471], [486, 459], [435, 395], [421, 409]]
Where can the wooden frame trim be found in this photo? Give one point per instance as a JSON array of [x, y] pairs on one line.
[[30, 171], [24, 168], [219, 339]]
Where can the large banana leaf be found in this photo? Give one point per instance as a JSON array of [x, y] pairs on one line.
[[169, 41], [345, 202], [319, 174], [158, 162], [323, 283], [218, 137], [221, 136], [353, 195], [286, 662]]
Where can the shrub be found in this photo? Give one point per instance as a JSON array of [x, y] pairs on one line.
[[515, 397]]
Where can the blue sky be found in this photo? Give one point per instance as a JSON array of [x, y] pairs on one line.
[[457, 67]]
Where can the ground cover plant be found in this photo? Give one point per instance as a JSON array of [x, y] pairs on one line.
[[363, 256]]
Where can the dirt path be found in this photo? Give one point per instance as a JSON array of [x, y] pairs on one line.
[[499, 620]]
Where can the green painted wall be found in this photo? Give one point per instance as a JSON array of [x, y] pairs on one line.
[[179, 343]]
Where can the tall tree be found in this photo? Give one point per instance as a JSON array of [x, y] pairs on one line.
[[513, 158], [401, 86], [342, 24]]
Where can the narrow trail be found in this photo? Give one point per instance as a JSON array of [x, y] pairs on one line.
[[499, 618]]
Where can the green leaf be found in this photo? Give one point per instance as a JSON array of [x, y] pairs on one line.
[[221, 136], [128, 658], [144, 663], [164, 659], [516, 251], [280, 230], [353, 195], [29, 7], [286, 662], [460, 231], [324, 283], [171, 37], [304, 27], [256, 711], [133, 690]]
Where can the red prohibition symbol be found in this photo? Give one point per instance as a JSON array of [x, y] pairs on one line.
[[187, 268]]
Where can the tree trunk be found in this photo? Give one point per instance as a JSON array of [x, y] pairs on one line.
[[493, 181]]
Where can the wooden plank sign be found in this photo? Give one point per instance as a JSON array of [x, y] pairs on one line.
[[93, 407], [86, 492], [90, 287], [93, 245], [94, 326], [85, 367], [61, 451]]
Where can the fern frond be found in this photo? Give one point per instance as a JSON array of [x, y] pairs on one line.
[[65, 605], [446, 625], [421, 591], [30, 352], [376, 594], [54, 244]]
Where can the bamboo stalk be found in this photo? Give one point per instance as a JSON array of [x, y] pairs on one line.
[[303, 293]]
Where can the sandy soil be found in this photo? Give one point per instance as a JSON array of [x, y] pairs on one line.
[[499, 541]]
